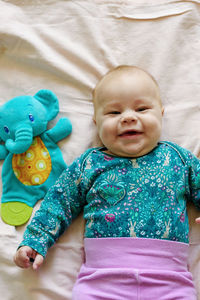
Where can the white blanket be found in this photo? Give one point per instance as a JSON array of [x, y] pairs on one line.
[[66, 46]]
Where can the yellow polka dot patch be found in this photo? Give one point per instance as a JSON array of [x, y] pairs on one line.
[[33, 166]]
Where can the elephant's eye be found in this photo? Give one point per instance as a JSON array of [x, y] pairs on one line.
[[31, 117], [6, 129]]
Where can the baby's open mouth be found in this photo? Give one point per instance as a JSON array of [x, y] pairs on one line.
[[130, 133]]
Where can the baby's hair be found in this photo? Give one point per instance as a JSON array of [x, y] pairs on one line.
[[122, 69], [135, 69]]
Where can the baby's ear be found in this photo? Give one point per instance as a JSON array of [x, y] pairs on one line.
[[94, 120], [163, 110]]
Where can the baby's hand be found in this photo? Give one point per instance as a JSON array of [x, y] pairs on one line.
[[25, 256], [197, 220]]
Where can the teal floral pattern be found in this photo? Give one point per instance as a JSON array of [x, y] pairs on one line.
[[112, 190], [121, 197]]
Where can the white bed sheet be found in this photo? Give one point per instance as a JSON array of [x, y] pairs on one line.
[[66, 46]]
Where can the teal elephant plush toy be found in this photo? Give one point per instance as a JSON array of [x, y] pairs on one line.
[[33, 161]]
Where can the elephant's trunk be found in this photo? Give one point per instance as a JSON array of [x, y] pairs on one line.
[[23, 140]]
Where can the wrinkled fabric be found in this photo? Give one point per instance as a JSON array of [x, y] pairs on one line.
[[66, 46]]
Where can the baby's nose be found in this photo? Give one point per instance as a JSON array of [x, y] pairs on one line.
[[129, 116]]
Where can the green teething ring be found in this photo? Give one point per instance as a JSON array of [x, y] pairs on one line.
[[15, 213]]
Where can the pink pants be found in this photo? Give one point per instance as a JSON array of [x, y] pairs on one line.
[[133, 269]]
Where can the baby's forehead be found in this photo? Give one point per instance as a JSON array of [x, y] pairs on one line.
[[125, 76], [121, 82]]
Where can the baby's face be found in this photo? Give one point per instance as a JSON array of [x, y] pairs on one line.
[[128, 114]]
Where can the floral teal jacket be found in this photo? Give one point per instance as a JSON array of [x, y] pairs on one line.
[[141, 197]]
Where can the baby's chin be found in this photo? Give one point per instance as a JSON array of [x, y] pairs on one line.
[[131, 154]]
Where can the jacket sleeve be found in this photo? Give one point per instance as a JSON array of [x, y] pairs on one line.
[[62, 203], [194, 179]]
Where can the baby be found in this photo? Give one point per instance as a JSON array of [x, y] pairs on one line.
[[133, 191]]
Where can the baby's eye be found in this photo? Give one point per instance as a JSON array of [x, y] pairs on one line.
[[143, 108], [114, 112]]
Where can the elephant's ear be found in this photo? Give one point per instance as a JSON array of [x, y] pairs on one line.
[[0, 120], [49, 100]]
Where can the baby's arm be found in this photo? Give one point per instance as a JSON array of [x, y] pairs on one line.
[[63, 202], [25, 256]]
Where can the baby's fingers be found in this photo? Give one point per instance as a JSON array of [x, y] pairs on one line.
[[38, 261], [22, 257]]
